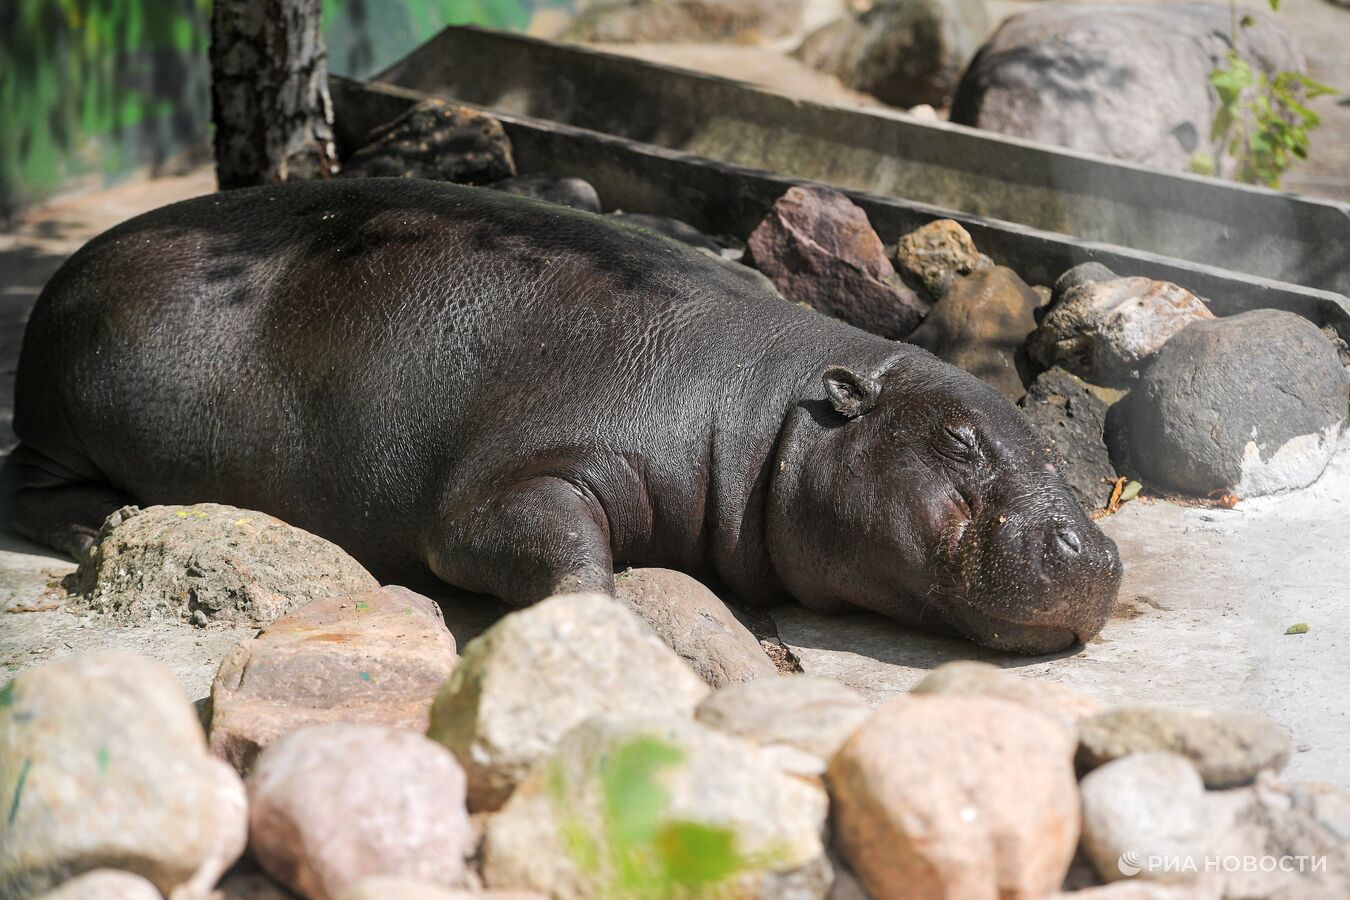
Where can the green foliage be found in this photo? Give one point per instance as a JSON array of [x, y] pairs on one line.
[[1262, 123], [637, 853]]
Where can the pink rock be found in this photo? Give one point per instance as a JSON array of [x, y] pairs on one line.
[[954, 796], [330, 805], [377, 657], [818, 248]]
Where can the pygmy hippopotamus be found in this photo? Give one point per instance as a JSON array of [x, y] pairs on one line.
[[519, 396]]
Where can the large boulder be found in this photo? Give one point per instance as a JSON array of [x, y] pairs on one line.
[[981, 325], [1145, 807], [956, 796], [695, 624], [627, 807], [903, 52], [103, 763], [1128, 82], [679, 21], [530, 678], [801, 720], [1107, 331], [818, 248], [377, 657], [1251, 404], [1071, 417], [968, 678], [1228, 748], [207, 563], [438, 140], [330, 805]]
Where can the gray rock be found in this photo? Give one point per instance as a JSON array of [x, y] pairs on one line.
[[981, 325], [671, 228], [1227, 748], [938, 254], [903, 52], [438, 140], [529, 679], [1251, 404], [330, 805], [800, 719], [377, 657], [977, 679], [819, 249], [105, 884], [1106, 332], [925, 802], [102, 760], [678, 21], [685, 776], [695, 624], [1083, 273], [1072, 418], [1128, 82], [210, 562], [1142, 806], [574, 192]]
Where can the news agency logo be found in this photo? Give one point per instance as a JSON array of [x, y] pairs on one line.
[[1132, 862]]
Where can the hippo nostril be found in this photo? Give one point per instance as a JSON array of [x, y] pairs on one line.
[[1068, 543]]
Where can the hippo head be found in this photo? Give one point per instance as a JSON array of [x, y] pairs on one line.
[[920, 492]]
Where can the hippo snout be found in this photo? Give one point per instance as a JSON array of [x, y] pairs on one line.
[[1039, 583]]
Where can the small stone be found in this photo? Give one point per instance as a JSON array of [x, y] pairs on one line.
[[574, 192], [384, 887], [102, 759], [695, 624], [209, 562], [1228, 748], [980, 325], [938, 254], [378, 657], [333, 804], [529, 679], [682, 782], [439, 140], [798, 712], [1143, 806], [1107, 331], [1083, 273], [1250, 404], [818, 248], [105, 884], [1071, 417], [976, 679], [954, 796]]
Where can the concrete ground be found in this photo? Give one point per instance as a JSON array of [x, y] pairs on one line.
[[1207, 597]]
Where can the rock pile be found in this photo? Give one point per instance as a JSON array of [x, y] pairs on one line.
[[601, 765]]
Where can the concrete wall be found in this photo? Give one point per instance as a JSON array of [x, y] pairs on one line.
[[94, 91]]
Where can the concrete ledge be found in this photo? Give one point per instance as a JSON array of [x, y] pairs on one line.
[[1247, 229]]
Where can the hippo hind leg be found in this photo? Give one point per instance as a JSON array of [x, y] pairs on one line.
[[50, 504]]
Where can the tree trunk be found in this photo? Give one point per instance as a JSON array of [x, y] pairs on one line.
[[269, 92]]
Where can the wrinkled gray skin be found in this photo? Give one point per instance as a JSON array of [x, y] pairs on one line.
[[518, 396]]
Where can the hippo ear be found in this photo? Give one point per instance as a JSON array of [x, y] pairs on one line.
[[851, 394]]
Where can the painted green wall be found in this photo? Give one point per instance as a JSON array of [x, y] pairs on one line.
[[92, 91]]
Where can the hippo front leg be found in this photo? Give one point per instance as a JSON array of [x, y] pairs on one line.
[[541, 537]]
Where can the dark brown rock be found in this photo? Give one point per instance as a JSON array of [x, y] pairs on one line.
[[981, 325], [438, 140], [1072, 418], [377, 657], [818, 248]]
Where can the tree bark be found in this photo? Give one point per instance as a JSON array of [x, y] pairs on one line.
[[269, 92]]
